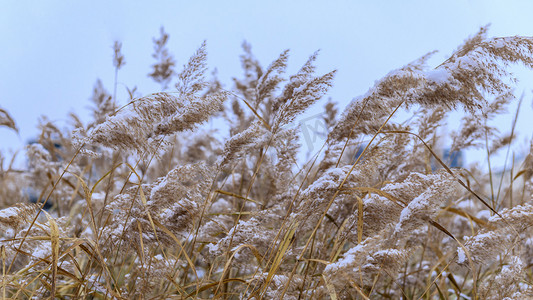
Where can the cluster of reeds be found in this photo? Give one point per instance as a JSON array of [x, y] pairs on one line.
[[144, 201]]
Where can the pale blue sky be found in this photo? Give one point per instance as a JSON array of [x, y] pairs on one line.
[[53, 51]]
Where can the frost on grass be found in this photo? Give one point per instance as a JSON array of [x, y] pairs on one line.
[[366, 261], [475, 69], [143, 124], [501, 236], [17, 216], [171, 204], [167, 208]]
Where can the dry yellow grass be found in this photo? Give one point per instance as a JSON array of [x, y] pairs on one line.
[[146, 203]]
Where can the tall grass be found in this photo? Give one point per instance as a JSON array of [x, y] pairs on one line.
[[146, 202]]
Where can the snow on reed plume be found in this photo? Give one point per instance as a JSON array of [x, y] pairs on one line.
[[143, 201]]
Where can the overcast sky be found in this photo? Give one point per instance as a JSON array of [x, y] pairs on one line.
[[53, 51]]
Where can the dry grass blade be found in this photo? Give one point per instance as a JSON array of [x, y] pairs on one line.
[[357, 288], [436, 278], [254, 111], [141, 241], [441, 228], [330, 287], [3, 256], [237, 196], [182, 249], [280, 253], [397, 201], [88, 198], [481, 222], [212, 285], [360, 221], [227, 265], [54, 241]]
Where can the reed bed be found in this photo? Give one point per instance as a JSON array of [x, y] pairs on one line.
[[146, 202]]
